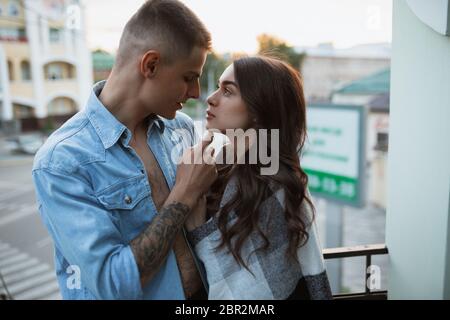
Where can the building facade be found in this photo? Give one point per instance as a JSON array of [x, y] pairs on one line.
[[325, 68], [45, 65], [102, 64], [372, 92]]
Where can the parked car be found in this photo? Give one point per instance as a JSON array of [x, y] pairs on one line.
[[25, 143]]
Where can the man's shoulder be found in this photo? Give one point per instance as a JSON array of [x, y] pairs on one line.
[[73, 144]]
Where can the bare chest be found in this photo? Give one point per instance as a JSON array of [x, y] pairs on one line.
[[160, 191], [158, 183]]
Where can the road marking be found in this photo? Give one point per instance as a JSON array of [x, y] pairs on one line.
[[7, 205], [26, 277], [44, 242], [25, 211], [9, 184], [7, 253], [14, 259], [4, 246], [39, 292], [32, 282], [16, 192], [20, 266], [18, 276]]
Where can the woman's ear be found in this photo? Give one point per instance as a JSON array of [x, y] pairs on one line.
[[149, 63]]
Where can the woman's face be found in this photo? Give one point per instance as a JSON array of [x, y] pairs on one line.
[[226, 109]]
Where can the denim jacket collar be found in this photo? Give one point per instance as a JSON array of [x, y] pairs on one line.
[[108, 128]]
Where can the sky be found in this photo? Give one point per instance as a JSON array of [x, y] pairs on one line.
[[235, 24]]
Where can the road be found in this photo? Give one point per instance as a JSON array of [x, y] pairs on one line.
[[26, 250]]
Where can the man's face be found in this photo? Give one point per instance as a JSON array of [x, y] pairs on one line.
[[174, 84]]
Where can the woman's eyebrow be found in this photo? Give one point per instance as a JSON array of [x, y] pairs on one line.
[[228, 82]]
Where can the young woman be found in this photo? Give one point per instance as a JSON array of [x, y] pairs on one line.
[[255, 234]]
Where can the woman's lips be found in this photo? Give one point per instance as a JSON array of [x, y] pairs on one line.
[[209, 115]]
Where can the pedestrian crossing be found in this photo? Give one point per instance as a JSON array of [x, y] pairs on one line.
[[26, 277]]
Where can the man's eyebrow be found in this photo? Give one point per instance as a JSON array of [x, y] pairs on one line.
[[228, 82], [194, 73]]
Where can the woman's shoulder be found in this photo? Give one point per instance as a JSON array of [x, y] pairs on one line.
[[273, 203]]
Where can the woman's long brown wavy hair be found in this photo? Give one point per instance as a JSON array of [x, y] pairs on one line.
[[273, 93]]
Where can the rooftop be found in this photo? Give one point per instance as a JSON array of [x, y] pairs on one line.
[[377, 83]]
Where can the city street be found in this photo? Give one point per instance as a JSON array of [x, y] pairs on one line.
[[26, 250]]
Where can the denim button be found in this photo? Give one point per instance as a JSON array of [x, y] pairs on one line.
[[128, 199]]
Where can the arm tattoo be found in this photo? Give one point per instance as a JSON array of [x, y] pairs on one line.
[[150, 248]]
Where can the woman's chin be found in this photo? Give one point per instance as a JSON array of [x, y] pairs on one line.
[[209, 125]]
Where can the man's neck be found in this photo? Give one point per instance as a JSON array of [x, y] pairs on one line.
[[121, 101]]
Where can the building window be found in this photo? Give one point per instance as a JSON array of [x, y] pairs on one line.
[[13, 8], [22, 34], [59, 70], [11, 70], [22, 112], [12, 34], [54, 72], [382, 141], [55, 35], [61, 106], [25, 70]]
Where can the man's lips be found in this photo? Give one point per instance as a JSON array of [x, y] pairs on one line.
[[210, 115]]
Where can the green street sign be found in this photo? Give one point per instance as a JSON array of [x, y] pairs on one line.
[[334, 153]]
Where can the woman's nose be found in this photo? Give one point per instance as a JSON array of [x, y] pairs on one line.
[[210, 100]]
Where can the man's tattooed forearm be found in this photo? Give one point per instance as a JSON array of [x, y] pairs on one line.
[[150, 248]]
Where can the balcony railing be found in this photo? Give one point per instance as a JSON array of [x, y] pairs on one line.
[[359, 251], [4, 295], [333, 253]]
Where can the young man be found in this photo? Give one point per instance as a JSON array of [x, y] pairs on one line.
[[108, 191]]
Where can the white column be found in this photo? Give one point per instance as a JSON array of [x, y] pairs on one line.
[[44, 34], [418, 224], [334, 231], [68, 42], [84, 62], [7, 107], [36, 58]]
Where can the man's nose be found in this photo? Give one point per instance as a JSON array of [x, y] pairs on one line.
[[194, 91]]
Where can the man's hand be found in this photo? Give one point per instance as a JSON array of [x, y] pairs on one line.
[[197, 217], [193, 179], [196, 173]]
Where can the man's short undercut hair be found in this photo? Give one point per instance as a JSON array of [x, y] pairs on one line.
[[167, 26]]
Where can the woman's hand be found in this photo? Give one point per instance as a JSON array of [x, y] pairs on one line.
[[197, 217]]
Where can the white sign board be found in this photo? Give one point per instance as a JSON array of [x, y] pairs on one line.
[[334, 153]]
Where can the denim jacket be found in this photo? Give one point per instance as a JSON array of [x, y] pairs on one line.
[[94, 198]]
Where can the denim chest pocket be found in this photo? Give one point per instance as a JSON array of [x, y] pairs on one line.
[[124, 195], [129, 204]]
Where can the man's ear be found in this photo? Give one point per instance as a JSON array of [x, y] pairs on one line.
[[149, 63]]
